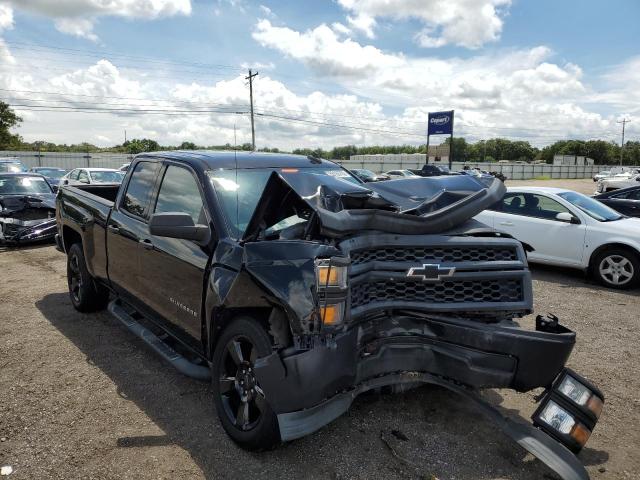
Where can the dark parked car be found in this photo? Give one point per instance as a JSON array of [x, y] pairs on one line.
[[294, 288], [52, 174], [27, 209], [11, 165], [431, 170], [623, 200], [367, 175]]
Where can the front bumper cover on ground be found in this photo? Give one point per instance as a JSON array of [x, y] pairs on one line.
[[309, 389]]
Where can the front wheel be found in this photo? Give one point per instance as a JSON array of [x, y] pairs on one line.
[[617, 268], [86, 295], [240, 402]]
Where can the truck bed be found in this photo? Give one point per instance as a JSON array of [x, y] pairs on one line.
[[88, 207]]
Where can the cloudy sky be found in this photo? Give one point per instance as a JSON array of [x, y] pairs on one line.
[[331, 72]]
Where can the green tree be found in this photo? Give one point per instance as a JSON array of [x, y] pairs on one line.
[[141, 145], [8, 120]]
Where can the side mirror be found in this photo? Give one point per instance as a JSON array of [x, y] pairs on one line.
[[177, 225], [567, 217]]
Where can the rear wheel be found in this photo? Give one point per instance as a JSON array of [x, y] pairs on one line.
[[617, 268], [240, 402], [86, 295]]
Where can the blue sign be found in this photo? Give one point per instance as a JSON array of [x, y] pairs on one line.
[[440, 123]]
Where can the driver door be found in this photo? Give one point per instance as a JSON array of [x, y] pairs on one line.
[[172, 270], [531, 218]]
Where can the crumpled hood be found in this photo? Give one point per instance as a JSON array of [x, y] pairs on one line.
[[403, 206], [16, 203]]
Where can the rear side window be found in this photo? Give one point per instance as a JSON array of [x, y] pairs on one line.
[[179, 193], [139, 189]]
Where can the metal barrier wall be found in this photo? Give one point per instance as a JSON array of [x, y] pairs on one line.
[[514, 171], [377, 163]]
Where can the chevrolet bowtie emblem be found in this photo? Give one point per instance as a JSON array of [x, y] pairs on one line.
[[430, 272]]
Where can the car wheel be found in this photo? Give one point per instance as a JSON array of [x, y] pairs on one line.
[[242, 407], [85, 295], [617, 268]]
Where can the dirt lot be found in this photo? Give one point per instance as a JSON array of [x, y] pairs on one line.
[[583, 185], [80, 397]]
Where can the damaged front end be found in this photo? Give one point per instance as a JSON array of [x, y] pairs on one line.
[[26, 219], [393, 284]]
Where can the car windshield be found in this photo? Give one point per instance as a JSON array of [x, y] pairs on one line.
[[239, 192], [591, 207], [107, 177], [51, 172], [12, 167], [18, 185]]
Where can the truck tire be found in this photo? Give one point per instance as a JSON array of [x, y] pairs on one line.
[[617, 267], [242, 407], [86, 295]]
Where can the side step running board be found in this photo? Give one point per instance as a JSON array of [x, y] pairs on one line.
[[179, 362]]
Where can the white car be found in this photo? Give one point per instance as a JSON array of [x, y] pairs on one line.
[[570, 229], [399, 174], [602, 174], [91, 176], [622, 180]]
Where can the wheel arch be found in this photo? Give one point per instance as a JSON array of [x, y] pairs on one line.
[[69, 237], [610, 245], [270, 317]]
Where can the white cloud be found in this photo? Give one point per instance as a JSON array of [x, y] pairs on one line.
[[323, 51], [77, 17], [364, 23], [467, 23], [6, 17], [78, 27]]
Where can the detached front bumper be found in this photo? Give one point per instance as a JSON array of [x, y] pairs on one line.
[[309, 389], [19, 232]]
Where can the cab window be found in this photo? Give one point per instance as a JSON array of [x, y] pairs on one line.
[[530, 205], [179, 192], [83, 176], [139, 188]]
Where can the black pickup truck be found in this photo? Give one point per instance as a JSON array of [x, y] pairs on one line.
[[295, 287]]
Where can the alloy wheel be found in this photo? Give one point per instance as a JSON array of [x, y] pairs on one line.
[[75, 280], [241, 396], [616, 270]]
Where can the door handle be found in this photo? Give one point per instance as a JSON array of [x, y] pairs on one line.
[[114, 228], [506, 224], [146, 244]]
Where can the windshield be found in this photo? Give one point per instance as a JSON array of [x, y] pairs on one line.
[[591, 207], [107, 177], [19, 185], [12, 167], [239, 192], [51, 172]]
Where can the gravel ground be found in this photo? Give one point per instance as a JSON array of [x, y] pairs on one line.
[[80, 397]]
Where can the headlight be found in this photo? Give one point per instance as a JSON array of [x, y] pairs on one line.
[[558, 418], [331, 283], [328, 274], [575, 390], [569, 410]]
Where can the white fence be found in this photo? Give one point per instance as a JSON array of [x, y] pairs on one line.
[[69, 161], [377, 163], [514, 171]]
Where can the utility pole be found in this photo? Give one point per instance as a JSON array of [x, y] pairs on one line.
[[624, 121], [253, 129]]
